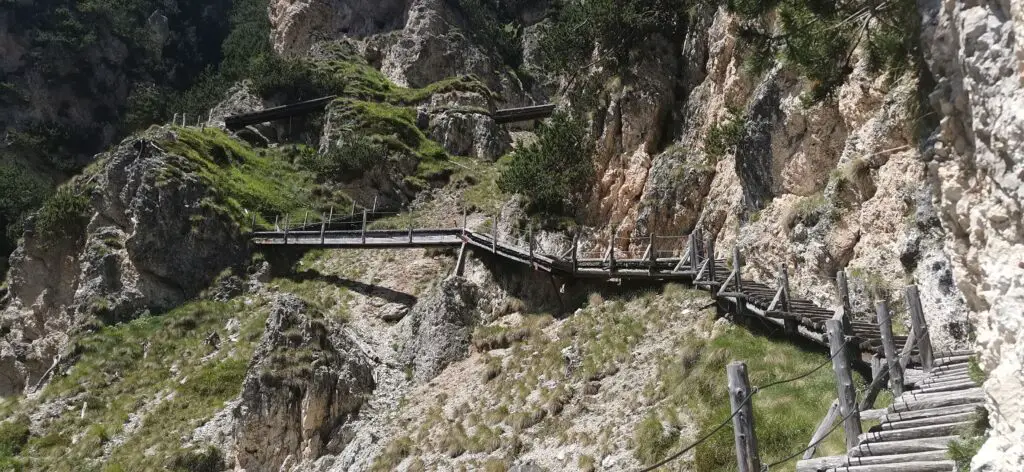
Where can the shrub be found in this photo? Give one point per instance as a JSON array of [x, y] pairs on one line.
[[554, 173], [62, 216], [724, 136], [20, 194], [13, 436], [349, 157], [208, 460]]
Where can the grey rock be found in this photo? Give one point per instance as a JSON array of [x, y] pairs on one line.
[[441, 327], [306, 380], [392, 312]]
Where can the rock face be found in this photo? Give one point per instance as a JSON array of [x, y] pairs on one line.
[[976, 166], [307, 379], [461, 123], [297, 23], [818, 187], [441, 326], [140, 250]]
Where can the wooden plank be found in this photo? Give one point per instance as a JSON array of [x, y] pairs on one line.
[[931, 421], [847, 394], [942, 361], [898, 458], [932, 466], [902, 447], [903, 434], [948, 387], [891, 417], [747, 457], [962, 397], [823, 428]]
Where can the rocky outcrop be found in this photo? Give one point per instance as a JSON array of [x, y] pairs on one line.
[[306, 380], [140, 250], [296, 24], [976, 167], [441, 326], [462, 123]]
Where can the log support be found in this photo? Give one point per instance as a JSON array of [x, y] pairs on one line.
[[844, 382], [743, 422]]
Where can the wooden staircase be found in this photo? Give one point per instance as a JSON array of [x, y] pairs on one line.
[[916, 430]]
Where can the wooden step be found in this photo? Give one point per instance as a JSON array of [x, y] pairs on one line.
[[930, 421], [962, 397], [892, 417], [919, 466], [947, 387], [902, 447], [932, 431], [930, 382], [821, 464], [949, 369], [953, 360], [921, 395]]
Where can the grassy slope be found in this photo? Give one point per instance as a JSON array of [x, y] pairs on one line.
[[518, 404]]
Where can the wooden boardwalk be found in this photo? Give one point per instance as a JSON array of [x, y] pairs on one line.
[[916, 430], [774, 305]]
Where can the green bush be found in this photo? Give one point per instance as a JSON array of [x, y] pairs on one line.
[[13, 436], [349, 158], [62, 216], [723, 137], [208, 460], [554, 173], [20, 194], [819, 36]]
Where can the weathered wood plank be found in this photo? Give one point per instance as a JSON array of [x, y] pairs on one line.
[[948, 387], [847, 394], [930, 421], [823, 427], [903, 434], [890, 417], [933, 466], [902, 447], [962, 397], [743, 423]]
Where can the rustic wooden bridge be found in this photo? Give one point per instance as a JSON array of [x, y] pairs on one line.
[[935, 396], [239, 121], [686, 259]]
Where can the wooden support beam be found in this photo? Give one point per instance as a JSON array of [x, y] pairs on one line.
[[323, 229], [692, 252], [412, 219], [844, 382], [908, 349], [743, 422], [889, 347], [823, 427], [876, 365], [920, 327], [374, 210], [330, 216], [305, 219], [460, 264]]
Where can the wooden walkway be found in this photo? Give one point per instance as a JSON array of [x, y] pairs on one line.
[[774, 305], [916, 430]]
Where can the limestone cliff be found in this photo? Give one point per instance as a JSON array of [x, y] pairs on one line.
[[975, 167]]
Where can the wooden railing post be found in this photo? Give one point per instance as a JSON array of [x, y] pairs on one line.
[[791, 325], [611, 251], [844, 299], [920, 327], [253, 226], [330, 216], [710, 258], [529, 238], [743, 422], [323, 229], [889, 347], [412, 218], [305, 219], [363, 231], [652, 255], [692, 253], [286, 220], [276, 220], [494, 235], [844, 382], [374, 210], [575, 250], [353, 208], [736, 266]]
